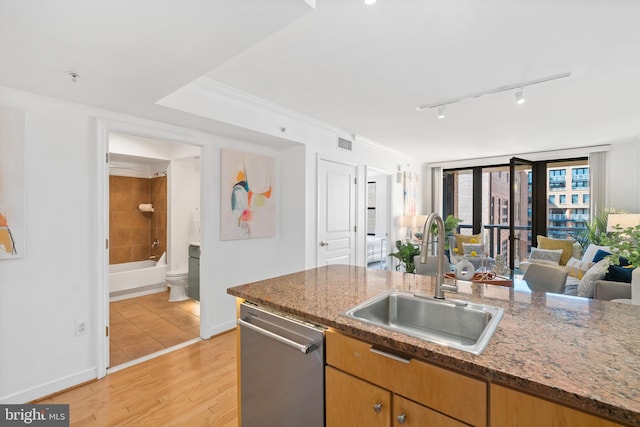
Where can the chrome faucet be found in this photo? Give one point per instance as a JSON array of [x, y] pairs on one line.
[[426, 232]]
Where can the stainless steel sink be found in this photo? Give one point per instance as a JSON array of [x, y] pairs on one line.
[[452, 323]]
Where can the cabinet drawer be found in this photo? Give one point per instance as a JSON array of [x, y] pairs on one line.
[[412, 414], [351, 401], [457, 395]]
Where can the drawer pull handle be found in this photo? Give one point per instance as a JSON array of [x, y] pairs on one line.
[[377, 408], [401, 418], [389, 355]]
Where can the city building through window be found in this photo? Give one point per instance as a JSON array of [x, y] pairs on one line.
[[566, 180]]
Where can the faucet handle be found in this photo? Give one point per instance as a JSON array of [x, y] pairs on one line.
[[450, 288]]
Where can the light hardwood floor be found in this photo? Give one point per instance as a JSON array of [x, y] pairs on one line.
[[193, 386], [150, 323]]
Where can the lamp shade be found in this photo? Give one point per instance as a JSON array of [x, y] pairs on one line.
[[420, 220], [618, 222], [409, 221]]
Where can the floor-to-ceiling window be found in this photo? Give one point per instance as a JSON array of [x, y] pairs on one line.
[[481, 197]]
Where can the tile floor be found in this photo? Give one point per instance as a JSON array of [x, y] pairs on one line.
[[143, 325]]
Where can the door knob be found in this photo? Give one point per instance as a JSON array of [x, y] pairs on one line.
[[377, 408], [323, 243]]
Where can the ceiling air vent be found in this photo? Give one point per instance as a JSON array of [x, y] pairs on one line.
[[345, 144]]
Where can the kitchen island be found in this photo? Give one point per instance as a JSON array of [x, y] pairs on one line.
[[577, 352]]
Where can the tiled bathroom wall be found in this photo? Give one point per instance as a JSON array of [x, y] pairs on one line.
[[131, 232]]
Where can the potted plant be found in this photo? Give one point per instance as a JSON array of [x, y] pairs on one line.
[[405, 253], [596, 229], [625, 242]]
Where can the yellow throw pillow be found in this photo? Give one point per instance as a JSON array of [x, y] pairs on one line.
[[565, 245], [463, 238], [577, 268]]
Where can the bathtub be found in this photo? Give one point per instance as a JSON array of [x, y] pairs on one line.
[[137, 278]]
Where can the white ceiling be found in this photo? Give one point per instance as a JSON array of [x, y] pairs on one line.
[[360, 68]]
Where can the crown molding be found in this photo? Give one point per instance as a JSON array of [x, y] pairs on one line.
[[221, 90]]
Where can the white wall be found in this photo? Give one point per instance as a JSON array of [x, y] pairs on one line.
[[56, 283], [208, 99], [184, 207], [43, 294]]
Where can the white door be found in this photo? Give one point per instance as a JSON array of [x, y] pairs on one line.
[[337, 213]]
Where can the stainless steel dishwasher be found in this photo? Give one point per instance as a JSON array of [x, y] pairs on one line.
[[281, 370]]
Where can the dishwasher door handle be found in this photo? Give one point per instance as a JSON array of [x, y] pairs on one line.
[[306, 349]]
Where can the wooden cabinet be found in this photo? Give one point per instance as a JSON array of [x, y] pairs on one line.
[[429, 391], [514, 408], [351, 401], [407, 413]]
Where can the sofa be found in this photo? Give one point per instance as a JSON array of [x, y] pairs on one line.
[[586, 273], [608, 290]]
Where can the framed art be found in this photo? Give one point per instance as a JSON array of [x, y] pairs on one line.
[[12, 202], [247, 195]]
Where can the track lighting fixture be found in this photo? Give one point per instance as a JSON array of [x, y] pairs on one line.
[[519, 95]]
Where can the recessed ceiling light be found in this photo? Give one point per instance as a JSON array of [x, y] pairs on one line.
[[369, 2]]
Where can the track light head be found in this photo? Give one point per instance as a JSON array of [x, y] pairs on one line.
[[520, 97], [441, 112]]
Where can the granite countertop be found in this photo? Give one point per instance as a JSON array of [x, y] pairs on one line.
[[579, 352]]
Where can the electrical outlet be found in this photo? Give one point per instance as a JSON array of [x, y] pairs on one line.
[[82, 327]]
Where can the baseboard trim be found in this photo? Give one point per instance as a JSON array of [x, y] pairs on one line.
[[49, 388], [218, 329]]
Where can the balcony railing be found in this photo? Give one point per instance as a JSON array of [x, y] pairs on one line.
[[499, 234], [580, 177], [580, 217], [558, 217]]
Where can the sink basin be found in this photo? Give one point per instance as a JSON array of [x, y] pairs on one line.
[[452, 323]]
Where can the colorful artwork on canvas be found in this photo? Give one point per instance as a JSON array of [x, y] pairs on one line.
[[410, 191], [247, 197], [12, 218]]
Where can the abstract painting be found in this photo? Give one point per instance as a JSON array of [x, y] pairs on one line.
[[247, 197], [12, 216], [410, 191]]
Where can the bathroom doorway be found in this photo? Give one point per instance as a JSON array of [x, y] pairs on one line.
[[153, 209]]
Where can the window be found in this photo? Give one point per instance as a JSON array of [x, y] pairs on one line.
[[580, 178], [481, 197], [557, 179]]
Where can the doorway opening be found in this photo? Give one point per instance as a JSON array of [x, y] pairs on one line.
[[153, 213], [378, 219]]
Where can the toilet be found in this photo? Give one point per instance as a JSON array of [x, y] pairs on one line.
[[177, 281]]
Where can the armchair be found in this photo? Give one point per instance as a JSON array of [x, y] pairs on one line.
[[475, 260]]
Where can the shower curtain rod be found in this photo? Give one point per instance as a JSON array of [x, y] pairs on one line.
[[138, 169]]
